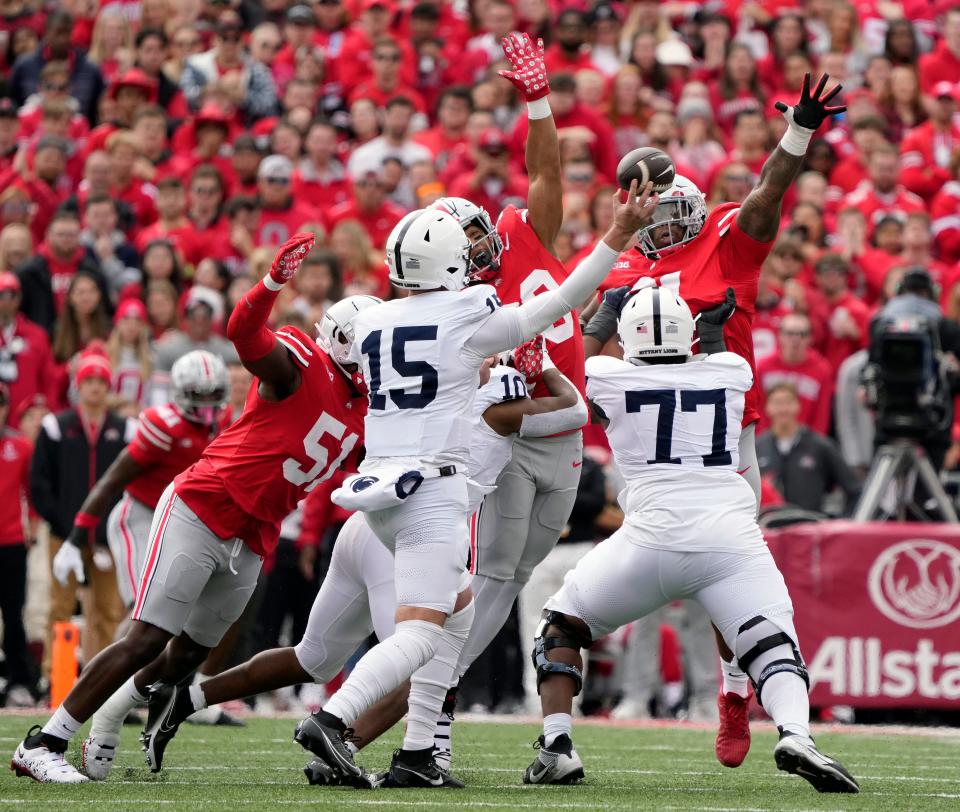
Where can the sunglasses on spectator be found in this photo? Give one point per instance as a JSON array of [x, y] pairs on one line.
[[740, 178], [579, 177], [278, 181], [795, 333], [387, 57]]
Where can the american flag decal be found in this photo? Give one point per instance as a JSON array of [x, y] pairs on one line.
[[671, 328], [642, 329]]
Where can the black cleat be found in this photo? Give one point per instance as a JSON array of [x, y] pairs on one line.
[[799, 755], [556, 764], [324, 735], [320, 774], [417, 769], [168, 706]]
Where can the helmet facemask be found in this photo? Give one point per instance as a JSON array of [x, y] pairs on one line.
[[201, 405], [686, 212], [485, 249]]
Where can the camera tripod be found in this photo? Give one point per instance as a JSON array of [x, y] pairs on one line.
[[902, 465]]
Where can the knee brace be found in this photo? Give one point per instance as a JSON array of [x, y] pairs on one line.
[[555, 631], [759, 636]]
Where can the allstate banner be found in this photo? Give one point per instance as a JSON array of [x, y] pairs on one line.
[[877, 610]]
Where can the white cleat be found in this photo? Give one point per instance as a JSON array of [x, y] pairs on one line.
[[799, 755], [35, 760], [557, 764], [97, 754]]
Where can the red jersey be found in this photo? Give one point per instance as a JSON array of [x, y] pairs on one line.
[[877, 205], [256, 471], [722, 256], [25, 361], [15, 453], [526, 269], [165, 444], [925, 156]]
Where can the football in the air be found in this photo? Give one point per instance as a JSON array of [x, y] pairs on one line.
[[646, 164]]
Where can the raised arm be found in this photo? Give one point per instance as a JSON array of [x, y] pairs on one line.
[[510, 326], [759, 215], [545, 195], [258, 348]]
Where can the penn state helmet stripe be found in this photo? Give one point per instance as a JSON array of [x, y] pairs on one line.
[[657, 338], [396, 248]]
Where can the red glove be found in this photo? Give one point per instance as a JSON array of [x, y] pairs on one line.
[[290, 256], [528, 359], [529, 74]]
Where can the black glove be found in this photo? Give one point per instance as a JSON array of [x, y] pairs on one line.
[[811, 111], [603, 325], [710, 324], [78, 537]]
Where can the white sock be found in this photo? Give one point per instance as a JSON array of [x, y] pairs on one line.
[[62, 725], [734, 680], [493, 600], [109, 717], [556, 724], [384, 668], [429, 685], [197, 698], [785, 700]]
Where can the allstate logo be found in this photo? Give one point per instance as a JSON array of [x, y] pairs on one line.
[[916, 583], [363, 483]]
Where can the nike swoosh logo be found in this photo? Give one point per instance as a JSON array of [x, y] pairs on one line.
[[745, 470], [577, 464], [434, 782]]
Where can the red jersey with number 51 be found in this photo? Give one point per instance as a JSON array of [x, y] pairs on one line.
[[722, 256], [254, 473], [526, 269]]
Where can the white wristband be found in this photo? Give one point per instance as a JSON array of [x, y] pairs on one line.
[[271, 284], [539, 108], [796, 140]]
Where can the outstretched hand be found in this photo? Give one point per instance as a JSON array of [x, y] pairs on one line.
[[812, 110], [289, 257], [631, 215], [529, 74]]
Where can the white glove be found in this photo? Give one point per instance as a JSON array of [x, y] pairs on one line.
[[68, 559]]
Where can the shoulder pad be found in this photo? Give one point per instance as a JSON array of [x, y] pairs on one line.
[[605, 365]]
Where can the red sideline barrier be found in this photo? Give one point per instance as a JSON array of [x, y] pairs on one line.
[[877, 610]]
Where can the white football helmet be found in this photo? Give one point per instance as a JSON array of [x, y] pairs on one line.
[[199, 385], [485, 262], [684, 205], [428, 250], [335, 331], [655, 323]]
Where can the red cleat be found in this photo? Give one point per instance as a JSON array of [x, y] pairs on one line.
[[733, 735]]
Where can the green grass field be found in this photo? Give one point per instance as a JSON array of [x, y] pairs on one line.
[[628, 768]]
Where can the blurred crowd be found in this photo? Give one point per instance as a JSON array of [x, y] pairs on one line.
[[154, 153]]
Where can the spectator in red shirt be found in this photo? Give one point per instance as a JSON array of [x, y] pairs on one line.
[[150, 53], [209, 235], [150, 128], [738, 88], [369, 206], [450, 131], [281, 215], [943, 64], [299, 28], [928, 149], [797, 362], [25, 358], [880, 194], [850, 171], [945, 211], [569, 51], [245, 161], [569, 113], [172, 223], [385, 83], [15, 450], [846, 316], [124, 151], [319, 176], [47, 185], [211, 131], [354, 63], [917, 251], [493, 184]]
